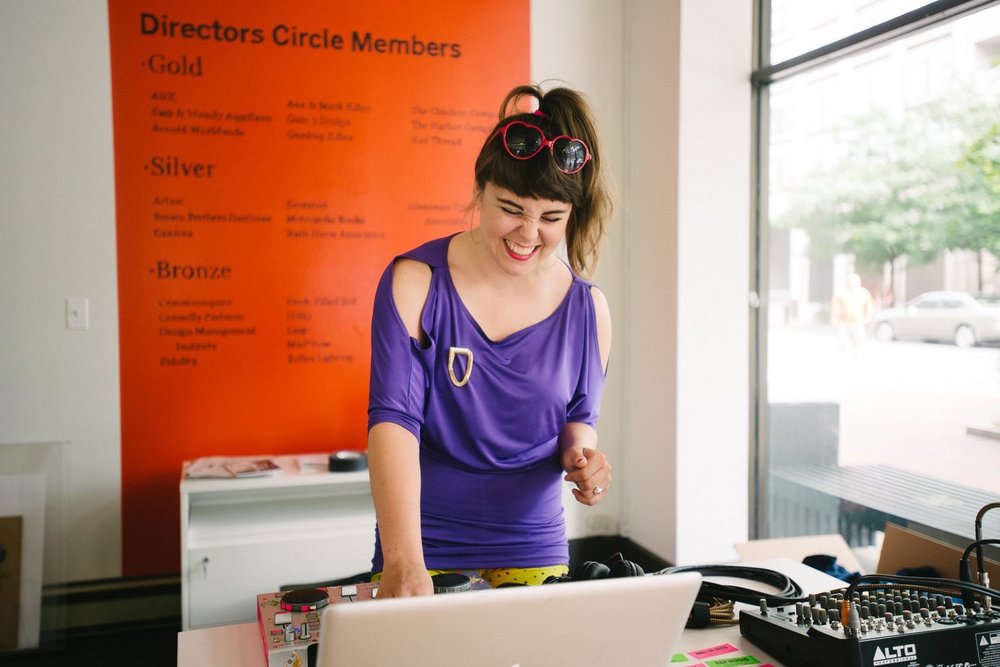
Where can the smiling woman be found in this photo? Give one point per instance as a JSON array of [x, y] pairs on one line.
[[526, 229], [488, 362]]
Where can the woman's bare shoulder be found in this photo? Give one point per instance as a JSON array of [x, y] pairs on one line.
[[411, 280]]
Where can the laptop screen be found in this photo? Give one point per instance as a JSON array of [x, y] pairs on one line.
[[631, 620]]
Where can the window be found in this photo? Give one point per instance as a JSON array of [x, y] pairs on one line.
[[800, 26], [879, 388]]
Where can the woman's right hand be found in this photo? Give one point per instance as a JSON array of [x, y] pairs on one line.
[[404, 582]]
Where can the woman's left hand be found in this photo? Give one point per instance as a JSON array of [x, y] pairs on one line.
[[590, 470]]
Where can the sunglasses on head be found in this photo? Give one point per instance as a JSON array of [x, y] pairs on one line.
[[523, 142]]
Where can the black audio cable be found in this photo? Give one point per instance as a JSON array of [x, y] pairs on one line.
[[931, 584], [980, 563], [789, 591], [965, 570]]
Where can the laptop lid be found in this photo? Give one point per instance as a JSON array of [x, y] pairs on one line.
[[630, 620]]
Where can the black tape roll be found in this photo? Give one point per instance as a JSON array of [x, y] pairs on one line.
[[305, 599], [348, 461], [451, 582]]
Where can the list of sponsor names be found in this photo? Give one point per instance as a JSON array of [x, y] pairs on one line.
[[310, 339], [312, 219], [433, 125], [209, 144], [194, 329], [322, 121]]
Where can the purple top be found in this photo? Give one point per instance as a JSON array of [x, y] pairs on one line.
[[491, 475]]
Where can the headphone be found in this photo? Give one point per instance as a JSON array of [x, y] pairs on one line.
[[612, 568]]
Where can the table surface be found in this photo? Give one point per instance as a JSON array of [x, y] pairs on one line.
[[241, 644]]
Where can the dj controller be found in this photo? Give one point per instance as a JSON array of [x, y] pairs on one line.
[[289, 621], [885, 626]]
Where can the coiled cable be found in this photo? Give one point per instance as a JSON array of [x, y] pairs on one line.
[[712, 591]]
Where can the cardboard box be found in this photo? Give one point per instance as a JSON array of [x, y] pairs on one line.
[[904, 548]]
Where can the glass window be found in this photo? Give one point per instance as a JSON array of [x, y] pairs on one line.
[[799, 26], [883, 185]]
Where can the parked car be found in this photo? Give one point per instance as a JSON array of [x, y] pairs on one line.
[[956, 317]]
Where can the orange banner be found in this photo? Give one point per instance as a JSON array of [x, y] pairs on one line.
[[270, 158]]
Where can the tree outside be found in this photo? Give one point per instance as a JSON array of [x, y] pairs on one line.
[[906, 187]]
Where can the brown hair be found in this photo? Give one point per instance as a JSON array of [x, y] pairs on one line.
[[562, 111]]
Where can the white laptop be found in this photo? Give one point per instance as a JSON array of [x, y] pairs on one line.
[[631, 620]]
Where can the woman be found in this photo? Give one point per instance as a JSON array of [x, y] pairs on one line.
[[488, 361]]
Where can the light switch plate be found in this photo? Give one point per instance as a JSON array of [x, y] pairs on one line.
[[77, 312]]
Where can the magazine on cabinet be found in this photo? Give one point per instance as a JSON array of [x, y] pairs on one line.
[[228, 467]]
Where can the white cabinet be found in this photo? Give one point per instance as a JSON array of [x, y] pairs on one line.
[[242, 537]]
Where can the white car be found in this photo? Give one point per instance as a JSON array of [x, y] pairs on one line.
[[955, 317]]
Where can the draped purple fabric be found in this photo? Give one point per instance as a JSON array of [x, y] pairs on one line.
[[491, 478]]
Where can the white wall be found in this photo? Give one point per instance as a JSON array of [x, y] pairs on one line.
[[650, 246], [597, 68], [686, 248], [57, 216], [669, 83], [713, 314]]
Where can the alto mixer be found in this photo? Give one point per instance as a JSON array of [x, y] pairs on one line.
[[899, 622]]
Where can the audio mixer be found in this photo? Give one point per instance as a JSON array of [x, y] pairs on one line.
[[885, 626], [289, 621]]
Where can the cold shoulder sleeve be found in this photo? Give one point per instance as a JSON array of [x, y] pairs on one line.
[[398, 384], [585, 406]]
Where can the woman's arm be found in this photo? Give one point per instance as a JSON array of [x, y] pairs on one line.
[[394, 461], [394, 466], [586, 467]]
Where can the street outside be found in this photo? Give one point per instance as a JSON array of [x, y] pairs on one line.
[[905, 404]]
